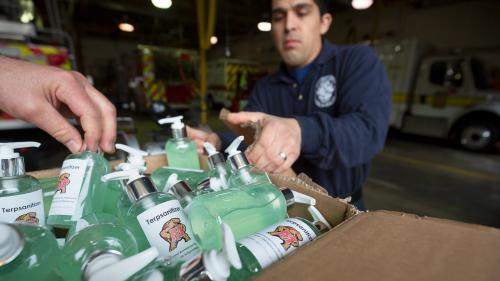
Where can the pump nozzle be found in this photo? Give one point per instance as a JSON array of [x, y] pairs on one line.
[[317, 216], [293, 197], [176, 121], [125, 268], [172, 179], [130, 175], [7, 148], [218, 263], [214, 157], [232, 149], [135, 157]]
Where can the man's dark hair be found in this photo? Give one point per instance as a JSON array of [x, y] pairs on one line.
[[322, 5]]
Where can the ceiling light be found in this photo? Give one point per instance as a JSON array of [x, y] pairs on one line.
[[361, 4], [264, 26], [126, 27], [213, 40], [162, 4]]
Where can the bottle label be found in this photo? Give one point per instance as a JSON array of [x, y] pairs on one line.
[[277, 241], [68, 188], [166, 228], [25, 208]]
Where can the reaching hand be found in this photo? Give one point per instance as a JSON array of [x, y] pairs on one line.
[[45, 95], [278, 145], [200, 137]]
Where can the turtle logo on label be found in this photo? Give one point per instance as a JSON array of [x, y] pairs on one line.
[[325, 91], [28, 218], [62, 183], [289, 236], [173, 231]]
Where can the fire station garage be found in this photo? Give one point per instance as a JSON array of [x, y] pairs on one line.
[[249, 140]]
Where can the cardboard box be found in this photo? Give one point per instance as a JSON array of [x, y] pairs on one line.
[[378, 245]]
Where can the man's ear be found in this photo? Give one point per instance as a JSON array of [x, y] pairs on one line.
[[326, 21]]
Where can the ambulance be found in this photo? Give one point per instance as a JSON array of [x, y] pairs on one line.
[[441, 95]]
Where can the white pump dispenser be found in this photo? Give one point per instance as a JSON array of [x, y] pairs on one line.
[[178, 128], [121, 270], [135, 159], [12, 164]]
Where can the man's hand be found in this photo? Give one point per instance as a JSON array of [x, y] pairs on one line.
[[42, 95], [278, 145], [200, 137]]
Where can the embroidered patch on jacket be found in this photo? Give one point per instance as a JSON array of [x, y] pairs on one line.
[[325, 91]]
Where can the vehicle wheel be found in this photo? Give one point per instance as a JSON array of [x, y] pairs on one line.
[[478, 136]]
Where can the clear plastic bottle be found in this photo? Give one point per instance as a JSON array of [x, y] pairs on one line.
[[156, 218], [98, 241], [21, 196], [80, 191], [269, 245], [27, 252], [250, 204], [180, 150]]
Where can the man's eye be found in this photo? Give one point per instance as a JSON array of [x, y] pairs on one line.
[[303, 11], [277, 17]]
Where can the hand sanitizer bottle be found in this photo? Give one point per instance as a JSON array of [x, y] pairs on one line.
[[218, 168], [181, 151], [117, 201], [156, 218], [21, 196], [211, 265], [247, 207], [27, 252], [80, 191], [95, 242], [273, 243]]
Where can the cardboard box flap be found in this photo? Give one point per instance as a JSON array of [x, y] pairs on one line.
[[334, 210], [385, 245]]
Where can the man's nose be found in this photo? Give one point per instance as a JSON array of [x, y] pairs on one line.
[[291, 21]]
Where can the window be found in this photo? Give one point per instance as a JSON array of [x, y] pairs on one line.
[[447, 73]]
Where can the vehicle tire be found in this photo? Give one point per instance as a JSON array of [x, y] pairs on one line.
[[478, 136]]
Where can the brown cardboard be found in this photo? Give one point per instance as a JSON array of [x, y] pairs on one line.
[[385, 245]]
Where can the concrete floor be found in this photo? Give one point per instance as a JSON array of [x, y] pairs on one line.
[[428, 178]]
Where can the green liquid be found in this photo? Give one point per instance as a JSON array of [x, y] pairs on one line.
[[37, 260], [181, 153], [91, 240], [114, 192], [48, 186], [191, 177], [246, 210], [97, 166]]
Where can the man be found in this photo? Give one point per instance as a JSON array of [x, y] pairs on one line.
[[325, 111], [45, 95]]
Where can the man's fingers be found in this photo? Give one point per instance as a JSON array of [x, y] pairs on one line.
[[244, 117], [58, 127], [72, 93], [196, 133], [107, 112]]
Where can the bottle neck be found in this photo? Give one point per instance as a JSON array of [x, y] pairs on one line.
[[12, 167], [179, 133]]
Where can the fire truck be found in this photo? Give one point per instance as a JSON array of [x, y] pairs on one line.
[[441, 95]]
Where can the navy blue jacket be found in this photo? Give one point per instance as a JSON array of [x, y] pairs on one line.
[[342, 107]]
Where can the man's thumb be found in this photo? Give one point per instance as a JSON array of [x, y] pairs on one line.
[[245, 117]]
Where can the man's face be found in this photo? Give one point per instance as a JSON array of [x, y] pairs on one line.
[[297, 28]]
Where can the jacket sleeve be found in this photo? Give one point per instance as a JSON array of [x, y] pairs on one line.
[[358, 131]]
